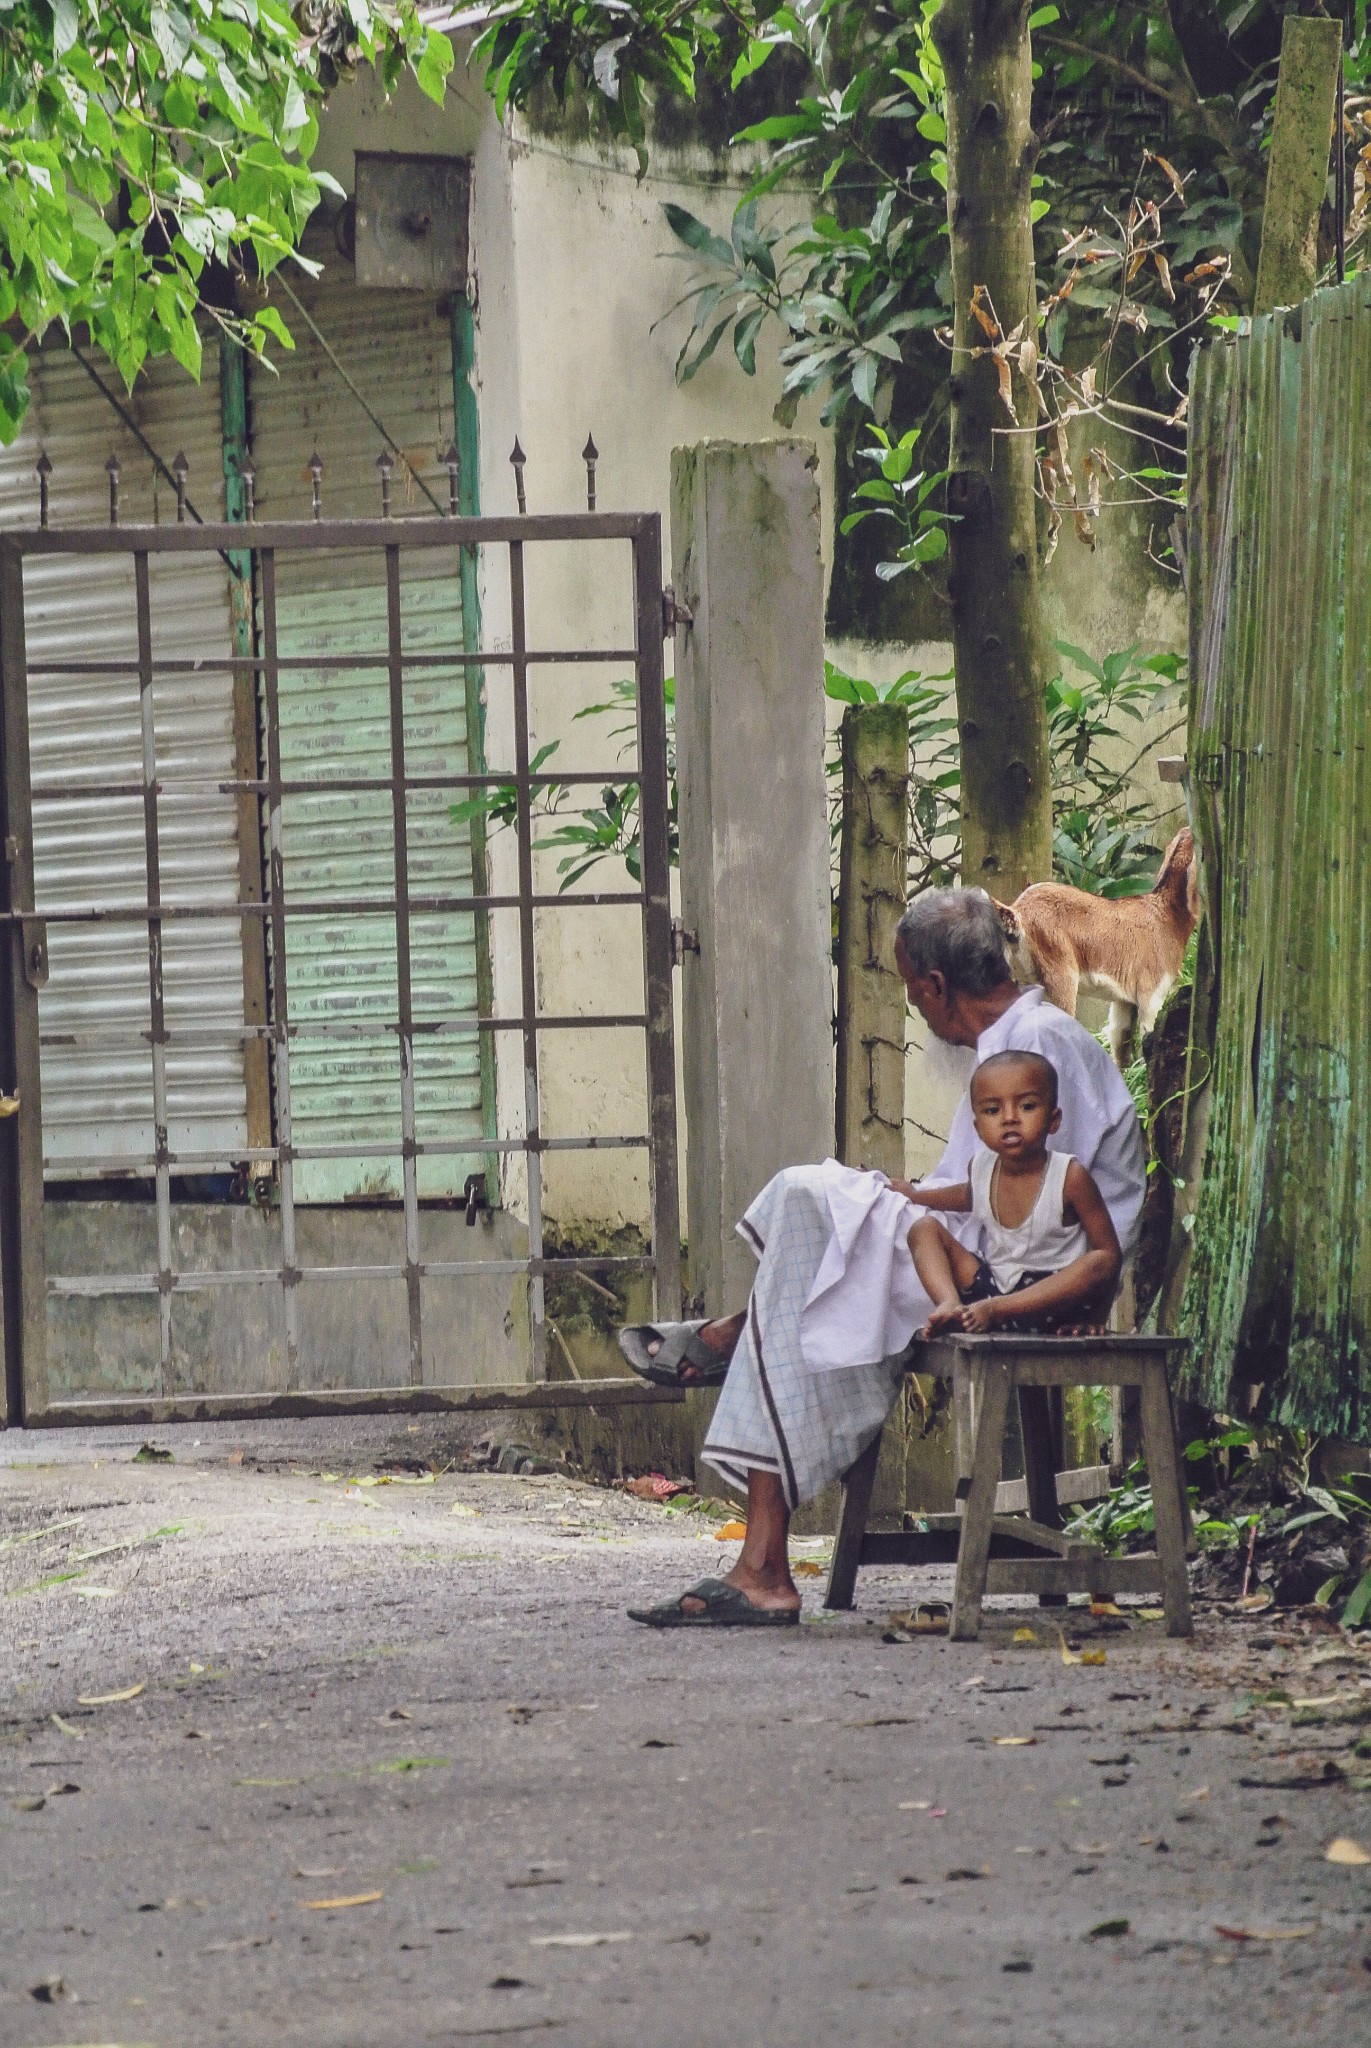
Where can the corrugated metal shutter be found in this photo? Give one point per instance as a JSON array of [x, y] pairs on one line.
[[97, 1101], [396, 348]]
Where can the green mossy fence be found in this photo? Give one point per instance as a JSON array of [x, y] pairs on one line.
[[1279, 1291]]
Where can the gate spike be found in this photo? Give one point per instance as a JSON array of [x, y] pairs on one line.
[[385, 463], [590, 455], [450, 461], [112, 471], [518, 458], [180, 469], [44, 468], [316, 484], [249, 477]]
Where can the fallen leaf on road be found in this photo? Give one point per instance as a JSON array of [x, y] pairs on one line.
[[61, 1791], [234, 1457], [915, 1805], [1068, 1656], [965, 1876], [334, 1905], [399, 1714], [1098, 1607], [28, 1805], [65, 1728], [578, 1940], [153, 1454], [110, 1699], [1014, 1741], [805, 1568], [1108, 1929], [1253, 1603], [1345, 1850], [1024, 1635], [1094, 1656], [1090, 1848], [1264, 1933], [731, 1532], [459, 1507]]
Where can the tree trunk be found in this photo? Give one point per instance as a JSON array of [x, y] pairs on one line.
[[998, 641]]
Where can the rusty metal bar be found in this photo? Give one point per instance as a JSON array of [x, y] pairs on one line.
[[364, 906], [89, 1286], [156, 983], [657, 944], [425, 1148], [327, 664], [23, 967], [606, 1393], [528, 965], [280, 1006], [421, 531], [403, 983]]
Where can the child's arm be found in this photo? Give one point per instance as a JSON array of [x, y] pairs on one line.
[[1088, 1283], [958, 1196]]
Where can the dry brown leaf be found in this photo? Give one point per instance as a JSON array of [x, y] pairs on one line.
[[1264, 1933], [1026, 1635], [1345, 1850], [1098, 1607], [335, 1905], [1006, 384], [110, 1699], [979, 306], [730, 1532], [1139, 258], [1169, 171], [1164, 273], [805, 1568], [1085, 534]]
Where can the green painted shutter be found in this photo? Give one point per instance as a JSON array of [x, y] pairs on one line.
[[341, 968]]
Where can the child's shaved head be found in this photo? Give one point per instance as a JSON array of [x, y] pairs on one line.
[[1043, 1072]]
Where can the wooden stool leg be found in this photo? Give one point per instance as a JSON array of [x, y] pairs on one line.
[[1159, 1446], [973, 1552], [858, 1484], [963, 1418], [1042, 1454]]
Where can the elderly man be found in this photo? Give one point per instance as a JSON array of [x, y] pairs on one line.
[[814, 1364]]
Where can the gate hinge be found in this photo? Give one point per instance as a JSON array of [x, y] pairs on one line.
[[682, 942], [35, 952], [674, 613]]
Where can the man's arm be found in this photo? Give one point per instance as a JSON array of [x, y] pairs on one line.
[[958, 1196]]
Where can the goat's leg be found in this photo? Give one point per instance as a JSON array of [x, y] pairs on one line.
[[1123, 1024], [1060, 984]]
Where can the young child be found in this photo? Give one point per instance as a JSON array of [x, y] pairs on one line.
[[1047, 1253]]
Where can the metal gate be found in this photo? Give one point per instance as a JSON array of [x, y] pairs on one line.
[[152, 684]]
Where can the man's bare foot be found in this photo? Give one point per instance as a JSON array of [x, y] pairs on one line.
[[721, 1335], [765, 1588]]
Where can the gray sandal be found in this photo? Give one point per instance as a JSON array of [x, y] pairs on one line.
[[724, 1607], [679, 1344]]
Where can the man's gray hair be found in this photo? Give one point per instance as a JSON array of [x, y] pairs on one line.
[[956, 933]]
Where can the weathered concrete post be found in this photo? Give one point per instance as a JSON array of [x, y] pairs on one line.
[[872, 863], [757, 996]]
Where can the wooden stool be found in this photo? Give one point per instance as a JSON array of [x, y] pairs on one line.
[[1003, 1553]]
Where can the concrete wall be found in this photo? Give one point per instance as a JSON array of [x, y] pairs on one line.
[[231, 1340]]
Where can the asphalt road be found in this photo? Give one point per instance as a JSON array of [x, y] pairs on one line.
[[423, 1703]]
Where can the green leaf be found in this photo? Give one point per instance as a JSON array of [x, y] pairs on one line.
[[1358, 1604], [269, 320], [745, 339], [696, 235]]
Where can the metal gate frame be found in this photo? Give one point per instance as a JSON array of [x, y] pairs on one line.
[[24, 1281]]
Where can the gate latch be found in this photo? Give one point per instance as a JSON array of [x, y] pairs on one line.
[[682, 942], [35, 932], [474, 1194]]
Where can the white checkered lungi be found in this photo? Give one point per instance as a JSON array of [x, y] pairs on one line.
[[775, 1412]]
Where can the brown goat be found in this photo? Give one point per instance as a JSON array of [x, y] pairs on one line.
[[1128, 948]]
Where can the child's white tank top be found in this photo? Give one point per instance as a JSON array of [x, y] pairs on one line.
[[1043, 1242]]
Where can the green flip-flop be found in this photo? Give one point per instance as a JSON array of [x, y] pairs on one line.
[[724, 1607]]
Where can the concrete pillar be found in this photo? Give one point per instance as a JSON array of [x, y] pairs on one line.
[[757, 997], [872, 863]]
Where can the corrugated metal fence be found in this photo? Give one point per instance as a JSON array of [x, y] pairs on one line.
[[1280, 544]]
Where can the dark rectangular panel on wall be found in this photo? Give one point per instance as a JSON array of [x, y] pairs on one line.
[[411, 230], [1279, 1293]]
